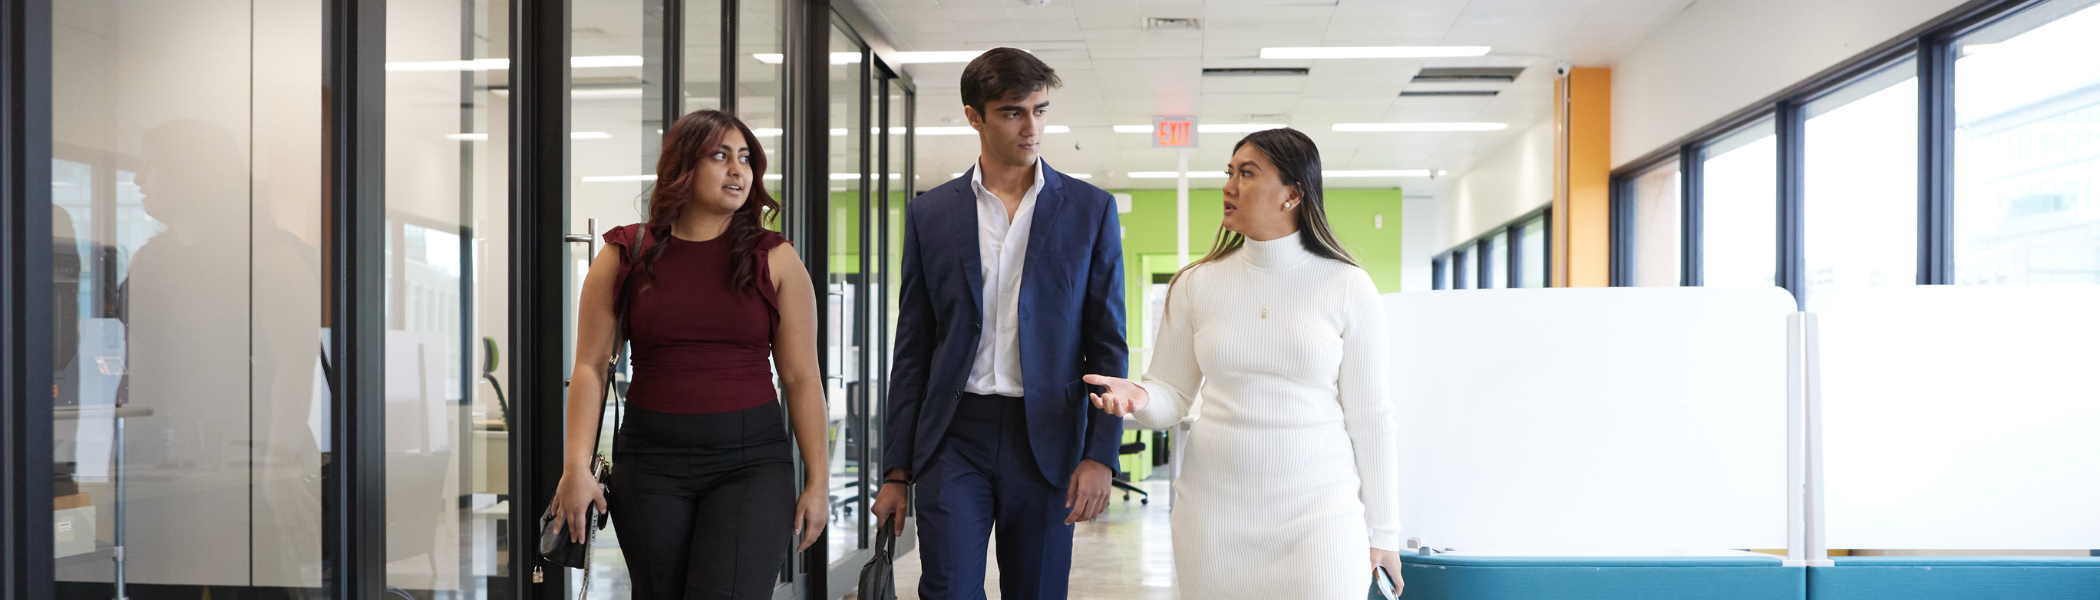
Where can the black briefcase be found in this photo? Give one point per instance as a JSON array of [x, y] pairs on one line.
[[878, 580]]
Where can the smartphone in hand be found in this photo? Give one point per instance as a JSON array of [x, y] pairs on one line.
[[1384, 582]]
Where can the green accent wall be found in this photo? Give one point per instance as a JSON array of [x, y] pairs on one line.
[[1148, 242]]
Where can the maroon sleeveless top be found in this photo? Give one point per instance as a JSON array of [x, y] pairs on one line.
[[698, 346]]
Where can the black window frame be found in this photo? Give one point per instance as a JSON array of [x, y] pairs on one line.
[[1445, 271], [1931, 45]]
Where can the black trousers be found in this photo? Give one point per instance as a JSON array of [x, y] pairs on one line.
[[704, 504]]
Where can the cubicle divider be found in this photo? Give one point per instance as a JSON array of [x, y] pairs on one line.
[[1637, 442]]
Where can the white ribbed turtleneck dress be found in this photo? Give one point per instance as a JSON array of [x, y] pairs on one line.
[[1294, 461]]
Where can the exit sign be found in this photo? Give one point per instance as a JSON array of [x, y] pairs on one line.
[[1173, 132]]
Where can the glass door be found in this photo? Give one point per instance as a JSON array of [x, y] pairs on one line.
[[846, 378], [448, 417]]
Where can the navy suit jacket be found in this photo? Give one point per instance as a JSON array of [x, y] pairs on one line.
[[1070, 323]]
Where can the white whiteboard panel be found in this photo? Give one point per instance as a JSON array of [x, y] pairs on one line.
[[1961, 416], [1636, 419]]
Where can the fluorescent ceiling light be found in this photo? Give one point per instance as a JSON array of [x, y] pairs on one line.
[[947, 131], [606, 93], [1389, 127], [951, 56], [766, 131], [1175, 174], [1056, 129], [1234, 127], [599, 62], [1133, 129], [837, 58], [907, 58], [1080, 175], [1374, 52], [838, 132], [498, 64], [856, 176], [772, 177], [483, 137], [1386, 173]]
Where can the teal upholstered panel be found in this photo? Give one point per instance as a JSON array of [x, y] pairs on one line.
[[1587, 578], [1949, 577]]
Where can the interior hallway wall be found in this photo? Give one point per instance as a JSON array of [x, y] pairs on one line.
[[1719, 56], [1514, 179]]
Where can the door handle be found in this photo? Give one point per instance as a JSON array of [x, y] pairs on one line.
[[590, 239]]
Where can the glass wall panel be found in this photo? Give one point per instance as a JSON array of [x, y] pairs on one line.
[[188, 203], [1654, 236], [1497, 257], [447, 298], [2027, 159], [1740, 201], [703, 55], [1533, 248], [758, 72], [846, 385], [616, 134], [1860, 204]]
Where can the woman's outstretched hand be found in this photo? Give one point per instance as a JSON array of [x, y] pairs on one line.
[[1122, 398]]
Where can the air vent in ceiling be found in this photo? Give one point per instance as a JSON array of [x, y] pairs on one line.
[[1468, 74], [1450, 93], [1257, 72], [1172, 23]]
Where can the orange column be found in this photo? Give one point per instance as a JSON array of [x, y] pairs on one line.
[[1582, 204]]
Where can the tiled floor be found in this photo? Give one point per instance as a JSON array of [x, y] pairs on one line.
[[1125, 554]]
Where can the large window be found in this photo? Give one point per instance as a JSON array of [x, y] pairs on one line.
[[1969, 154], [1509, 256], [2026, 206], [1860, 199], [1653, 235], [1739, 208], [1532, 261]]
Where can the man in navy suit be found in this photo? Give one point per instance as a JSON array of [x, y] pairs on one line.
[[1013, 290]]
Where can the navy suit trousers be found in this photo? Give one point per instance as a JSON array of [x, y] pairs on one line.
[[983, 480]]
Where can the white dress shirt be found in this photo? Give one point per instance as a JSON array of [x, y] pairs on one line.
[[1002, 245]]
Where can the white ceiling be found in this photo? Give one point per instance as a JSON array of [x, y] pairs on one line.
[[1118, 73]]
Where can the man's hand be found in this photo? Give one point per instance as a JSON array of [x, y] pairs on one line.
[[892, 500], [1087, 494]]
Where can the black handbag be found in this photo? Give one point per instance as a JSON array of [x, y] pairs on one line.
[[878, 581], [555, 544]]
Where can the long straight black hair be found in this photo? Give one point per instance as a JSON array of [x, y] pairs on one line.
[[1297, 161]]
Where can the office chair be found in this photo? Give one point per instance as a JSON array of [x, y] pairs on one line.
[[1122, 481]]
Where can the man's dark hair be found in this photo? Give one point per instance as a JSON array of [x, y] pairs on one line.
[[1002, 71]]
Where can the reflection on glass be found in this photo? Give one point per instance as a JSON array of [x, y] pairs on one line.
[[2027, 159], [1655, 237], [447, 432], [1497, 257], [846, 386], [1860, 200], [1533, 250], [190, 415], [757, 81], [1741, 205]]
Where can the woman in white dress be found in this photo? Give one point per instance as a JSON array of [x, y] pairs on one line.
[[1290, 474]]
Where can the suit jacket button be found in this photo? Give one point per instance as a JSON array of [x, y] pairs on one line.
[[977, 327]]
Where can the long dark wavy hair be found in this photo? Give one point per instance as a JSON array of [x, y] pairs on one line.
[[1297, 161], [688, 140]]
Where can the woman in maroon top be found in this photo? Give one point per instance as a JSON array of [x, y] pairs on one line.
[[702, 493]]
